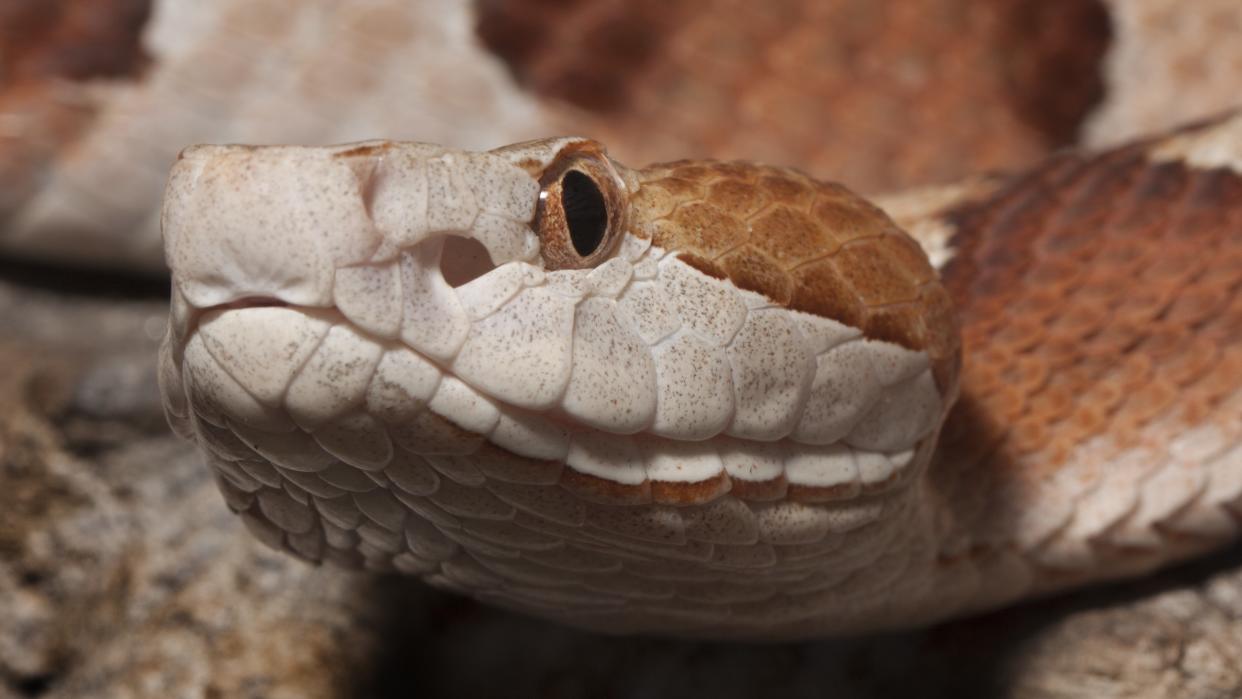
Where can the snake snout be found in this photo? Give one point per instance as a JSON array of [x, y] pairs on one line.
[[286, 223]]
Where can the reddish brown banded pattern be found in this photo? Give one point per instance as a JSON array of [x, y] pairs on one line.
[[808, 245], [1099, 296], [831, 87], [74, 39]]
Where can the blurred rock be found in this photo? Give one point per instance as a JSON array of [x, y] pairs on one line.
[[120, 573]]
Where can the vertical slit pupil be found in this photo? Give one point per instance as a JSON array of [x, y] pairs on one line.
[[586, 214]]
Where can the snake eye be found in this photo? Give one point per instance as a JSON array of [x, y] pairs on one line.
[[580, 216], [586, 213]]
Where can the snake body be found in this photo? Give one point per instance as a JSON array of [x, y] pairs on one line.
[[717, 399]]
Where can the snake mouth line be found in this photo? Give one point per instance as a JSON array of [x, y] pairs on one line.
[[248, 302]]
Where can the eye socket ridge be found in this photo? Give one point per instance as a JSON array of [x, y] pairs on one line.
[[586, 212]]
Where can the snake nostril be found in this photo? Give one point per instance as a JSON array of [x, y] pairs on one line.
[[463, 260]]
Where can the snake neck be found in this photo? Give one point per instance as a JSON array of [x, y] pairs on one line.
[[1097, 433]]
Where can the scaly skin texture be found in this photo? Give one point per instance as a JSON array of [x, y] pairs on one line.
[[724, 420], [1102, 330], [806, 245]]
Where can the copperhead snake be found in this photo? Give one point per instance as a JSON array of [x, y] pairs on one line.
[[713, 399]]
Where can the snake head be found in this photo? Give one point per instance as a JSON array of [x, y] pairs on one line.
[[412, 336]]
